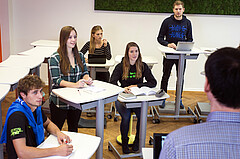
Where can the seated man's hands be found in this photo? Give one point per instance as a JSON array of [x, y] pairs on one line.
[[65, 150], [63, 138]]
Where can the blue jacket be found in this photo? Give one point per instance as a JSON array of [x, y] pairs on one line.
[[20, 105]]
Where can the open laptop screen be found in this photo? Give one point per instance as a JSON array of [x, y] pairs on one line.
[[96, 58], [184, 46], [158, 140]]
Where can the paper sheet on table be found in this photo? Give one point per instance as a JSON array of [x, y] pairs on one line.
[[93, 89], [51, 142]]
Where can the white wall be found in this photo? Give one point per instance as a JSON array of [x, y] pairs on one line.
[[4, 24], [34, 20]]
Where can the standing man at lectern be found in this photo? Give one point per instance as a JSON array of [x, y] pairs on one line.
[[173, 29]]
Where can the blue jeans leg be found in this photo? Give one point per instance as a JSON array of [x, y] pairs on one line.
[[126, 115]]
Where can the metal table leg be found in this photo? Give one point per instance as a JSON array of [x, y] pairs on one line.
[[100, 127]]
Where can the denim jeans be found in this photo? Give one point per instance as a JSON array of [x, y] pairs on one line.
[[167, 68], [126, 116]]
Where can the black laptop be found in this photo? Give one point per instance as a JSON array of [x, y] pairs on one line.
[[96, 58], [158, 140]]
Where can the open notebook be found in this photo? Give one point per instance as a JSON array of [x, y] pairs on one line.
[[142, 91]]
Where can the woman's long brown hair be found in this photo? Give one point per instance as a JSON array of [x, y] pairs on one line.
[[126, 62], [92, 40], [62, 50]]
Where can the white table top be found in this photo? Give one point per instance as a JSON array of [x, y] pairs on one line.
[[165, 49], [73, 95], [11, 75], [45, 52], [84, 145], [147, 153], [207, 51], [107, 64], [51, 43], [147, 59], [22, 61], [4, 90]]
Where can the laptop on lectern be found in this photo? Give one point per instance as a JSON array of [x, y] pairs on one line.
[[184, 46], [158, 140]]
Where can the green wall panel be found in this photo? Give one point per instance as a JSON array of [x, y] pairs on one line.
[[217, 7]]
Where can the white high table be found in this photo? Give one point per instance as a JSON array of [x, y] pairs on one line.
[[50, 43], [4, 89], [147, 153], [42, 52], [82, 99], [93, 68], [149, 60], [84, 146], [170, 53], [142, 102], [11, 75], [32, 62]]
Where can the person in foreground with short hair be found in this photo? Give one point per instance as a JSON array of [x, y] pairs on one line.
[[131, 72], [25, 122], [219, 136], [174, 29]]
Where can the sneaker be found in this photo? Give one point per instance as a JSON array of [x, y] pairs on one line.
[[163, 104], [89, 114], [181, 104], [135, 146]]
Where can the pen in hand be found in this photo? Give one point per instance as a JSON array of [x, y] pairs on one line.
[[66, 142]]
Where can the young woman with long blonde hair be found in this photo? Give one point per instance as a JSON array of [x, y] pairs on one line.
[[98, 45]]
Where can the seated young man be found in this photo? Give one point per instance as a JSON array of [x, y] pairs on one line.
[[219, 137], [25, 122]]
